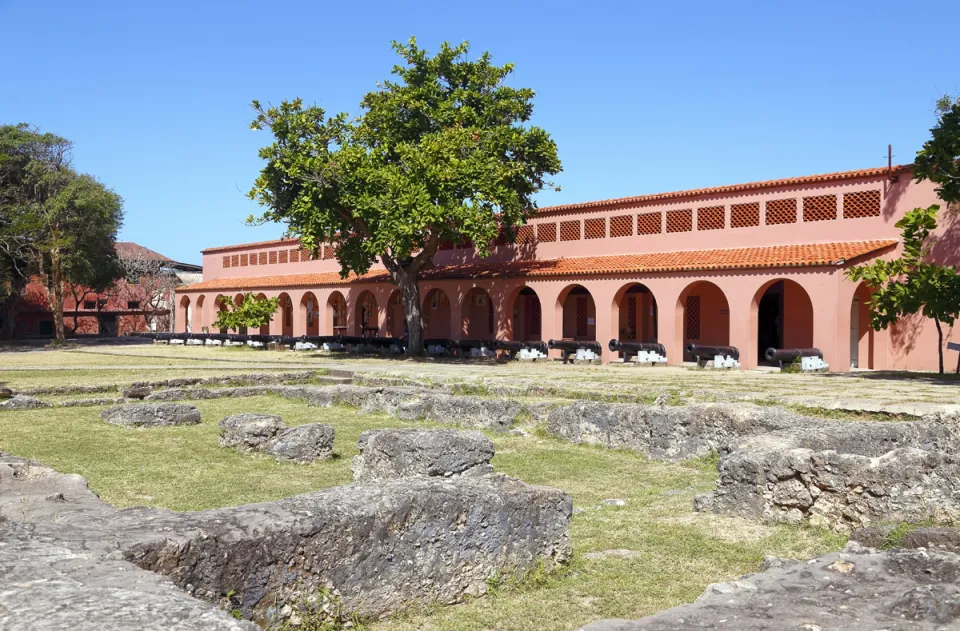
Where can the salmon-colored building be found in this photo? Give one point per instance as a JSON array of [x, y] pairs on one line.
[[753, 265]]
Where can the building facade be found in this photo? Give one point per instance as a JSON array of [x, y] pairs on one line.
[[139, 302], [751, 265]]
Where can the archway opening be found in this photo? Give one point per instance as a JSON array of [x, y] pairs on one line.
[[396, 315], [264, 328], [309, 312], [527, 317], [703, 316], [579, 314], [337, 314], [285, 313], [638, 319], [436, 315], [184, 315], [198, 314], [862, 336], [368, 315], [237, 302], [478, 318], [223, 305], [784, 317]]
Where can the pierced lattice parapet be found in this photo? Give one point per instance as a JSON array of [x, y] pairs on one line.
[[649, 223], [781, 211], [294, 256], [263, 258], [595, 228], [253, 259], [327, 253], [570, 230], [711, 218], [861, 204], [692, 313], [273, 257], [546, 232], [235, 260], [524, 234], [680, 220], [820, 208], [745, 215], [226, 261], [282, 256], [244, 260], [503, 236], [621, 226]]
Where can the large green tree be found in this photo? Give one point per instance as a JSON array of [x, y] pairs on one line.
[[939, 160], [911, 284], [60, 223], [249, 314], [442, 153]]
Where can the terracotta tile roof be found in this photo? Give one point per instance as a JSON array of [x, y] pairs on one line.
[[257, 244], [722, 190], [768, 257]]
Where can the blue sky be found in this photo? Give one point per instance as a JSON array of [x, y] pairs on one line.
[[640, 97]]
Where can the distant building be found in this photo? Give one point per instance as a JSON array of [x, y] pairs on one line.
[[139, 302], [753, 265]]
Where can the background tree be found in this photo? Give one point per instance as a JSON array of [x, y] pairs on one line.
[[63, 223], [939, 160], [149, 281], [251, 313], [909, 284], [441, 154]]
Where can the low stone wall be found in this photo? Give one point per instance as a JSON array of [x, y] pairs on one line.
[[843, 475], [858, 589], [665, 432], [368, 548]]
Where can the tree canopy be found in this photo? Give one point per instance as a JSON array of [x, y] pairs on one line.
[[910, 284], [252, 313], [441, 153], [54, 222], [939, 160]]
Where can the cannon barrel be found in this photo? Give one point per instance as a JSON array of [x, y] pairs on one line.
[[179, 336], [220, 337], [709, 351], [319, 340], [439, 341], [506, 345], [162, 336], [572, 345], [369, 341], [263, 339], [636, 347], [236, 337], [199, 336], [791, 354], [149, 335], [466, 345]]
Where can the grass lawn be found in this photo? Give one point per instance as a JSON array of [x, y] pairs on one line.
[[674, 554]]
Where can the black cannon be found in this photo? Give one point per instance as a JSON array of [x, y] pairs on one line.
[[376, 342], [162, 336], [466, 345], [319, 340], [514, 347], [179, 336], [789, 355], [148, 334], [632, 348], [568, 348], [218, 337], [202, 337], [242, 338], [703, 354]]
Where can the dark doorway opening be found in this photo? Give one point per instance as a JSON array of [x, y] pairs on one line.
[[108, 325], [770, 321]]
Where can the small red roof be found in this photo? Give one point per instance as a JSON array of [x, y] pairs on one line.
[[766, 257], [129, 250]]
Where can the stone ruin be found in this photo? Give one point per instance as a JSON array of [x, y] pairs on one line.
[[268, 434], [368, 548], [399, 453], [151, 415], [858, 589]]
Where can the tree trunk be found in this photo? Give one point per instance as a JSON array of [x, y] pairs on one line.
[[939, 343], [10, 309], [56, 271], [410, 293]]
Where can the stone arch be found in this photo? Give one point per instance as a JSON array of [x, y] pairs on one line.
[[184, 314], [702, 316], [635, 314], [477, 316], [336, 314], [238, 301], [782, 314], [310, 313], [198, 314], [396, 315], [436, 315], [863, 339], [368, 315], [577, 314], [526, 315], [285, 313], [222, 304]]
